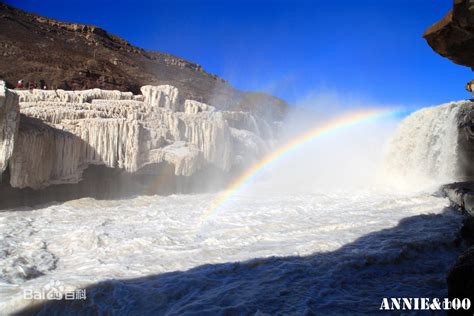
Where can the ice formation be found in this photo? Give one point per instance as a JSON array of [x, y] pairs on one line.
[[9, 117], [63, 132]]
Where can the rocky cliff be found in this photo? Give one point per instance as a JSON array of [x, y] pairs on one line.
[[461, 194], [453, 35], [61, 133], [73, 56]]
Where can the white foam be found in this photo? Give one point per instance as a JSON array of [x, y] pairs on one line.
[[85, 241], [423, 150]]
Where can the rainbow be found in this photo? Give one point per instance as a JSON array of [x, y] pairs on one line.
[[344, 121]]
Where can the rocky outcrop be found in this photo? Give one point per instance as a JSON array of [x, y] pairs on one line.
[[74, 56], [460, 278], [461, 194], [63, 132], [453, 35], [9, 118]]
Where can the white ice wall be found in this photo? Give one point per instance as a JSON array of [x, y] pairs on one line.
[[9, 119], [119, 130]]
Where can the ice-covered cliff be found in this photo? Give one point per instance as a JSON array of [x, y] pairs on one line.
[[9, 117], [63, 132]]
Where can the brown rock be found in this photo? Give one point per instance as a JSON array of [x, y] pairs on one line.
[[75, 56], [453, 35]]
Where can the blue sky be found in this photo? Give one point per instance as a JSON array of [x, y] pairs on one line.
[[369, 50]]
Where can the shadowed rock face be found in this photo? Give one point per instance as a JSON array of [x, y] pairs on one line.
[[461, 194], [73, 56], [466, 141], [460, 280], [453, 35]]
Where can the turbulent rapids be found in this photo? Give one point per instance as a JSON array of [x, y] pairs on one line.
[[320, 231]]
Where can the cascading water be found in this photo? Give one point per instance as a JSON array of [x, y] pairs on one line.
[[340, 248], [422, 153]]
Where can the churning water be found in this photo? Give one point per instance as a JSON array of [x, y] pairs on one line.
[[271, 249], [422, 153]]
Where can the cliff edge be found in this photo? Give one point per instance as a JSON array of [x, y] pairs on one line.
[[453, 36]]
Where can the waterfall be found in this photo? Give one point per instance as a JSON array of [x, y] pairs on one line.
[[423, 151]]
